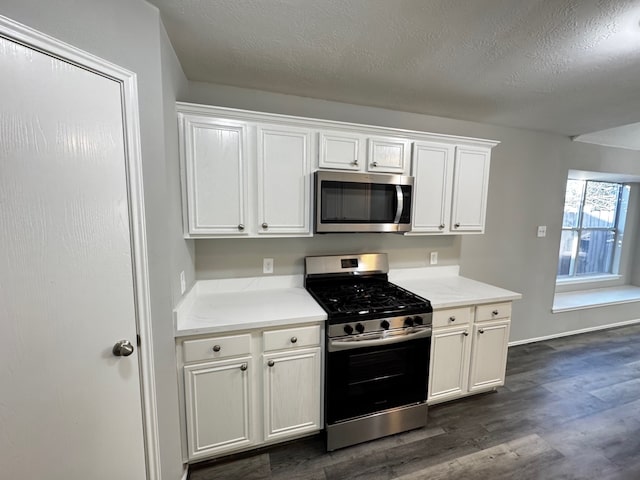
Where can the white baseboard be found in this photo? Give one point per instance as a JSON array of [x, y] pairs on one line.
[[185, 473], [574, 332]]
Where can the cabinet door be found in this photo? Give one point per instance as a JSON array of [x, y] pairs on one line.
[[386, 154], [433, 173], [470, 184], [292, 393], [449, 363], [217, 396], [489, 355], [214, 164], [339, 151], [284, 181]]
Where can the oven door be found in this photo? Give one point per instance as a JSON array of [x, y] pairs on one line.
[[357, 202], [373, 378]]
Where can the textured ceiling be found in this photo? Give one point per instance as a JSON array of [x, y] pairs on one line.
[[565, 66]]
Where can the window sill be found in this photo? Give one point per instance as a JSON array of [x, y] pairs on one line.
[[597, 297], [590, 279]]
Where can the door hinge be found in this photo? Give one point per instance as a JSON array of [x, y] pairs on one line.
[[138, 341]]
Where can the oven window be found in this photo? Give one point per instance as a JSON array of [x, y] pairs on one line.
[[372, 379], [348, 202]]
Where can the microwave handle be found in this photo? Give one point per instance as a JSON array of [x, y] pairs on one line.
[[400, 204]]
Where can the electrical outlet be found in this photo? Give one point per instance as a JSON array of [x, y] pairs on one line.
[[183, 283], [433, 258], [542, 230], [267, 265]]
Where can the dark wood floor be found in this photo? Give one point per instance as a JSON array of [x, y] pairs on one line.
[[570, 409]]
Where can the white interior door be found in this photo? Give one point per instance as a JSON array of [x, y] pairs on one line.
[[69, 408]]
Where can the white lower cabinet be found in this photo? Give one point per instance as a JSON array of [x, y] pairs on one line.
[[217, 398], [468, 351], [291, 393], [251, 388]]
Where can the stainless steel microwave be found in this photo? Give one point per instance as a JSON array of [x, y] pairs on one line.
[[362, 202]]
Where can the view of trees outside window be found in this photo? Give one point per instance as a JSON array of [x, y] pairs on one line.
[[592, 225]]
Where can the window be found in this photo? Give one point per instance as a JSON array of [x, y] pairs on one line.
[[592, 228]]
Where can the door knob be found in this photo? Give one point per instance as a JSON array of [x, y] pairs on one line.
[[123, 348]]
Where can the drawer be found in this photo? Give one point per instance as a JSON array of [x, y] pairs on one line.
[[452, 317], [292, 337], [214, 348], [493, 311]]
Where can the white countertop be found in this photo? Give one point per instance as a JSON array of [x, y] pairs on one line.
[[215, 306], [445, 288]]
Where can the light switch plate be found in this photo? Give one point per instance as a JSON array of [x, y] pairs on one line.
[[433, 258], [542, 230], [183, 283]]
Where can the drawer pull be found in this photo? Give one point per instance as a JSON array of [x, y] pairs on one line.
[[244, 366], [457, 225], [216, 348], [452, 319], [271, 363], [441, 226], [481, 331], [265, 225], [495, 312], [465, 333], [241, 227], [294, 339]]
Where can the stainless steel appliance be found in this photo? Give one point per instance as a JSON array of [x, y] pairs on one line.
[[362, 202], [378, 342]]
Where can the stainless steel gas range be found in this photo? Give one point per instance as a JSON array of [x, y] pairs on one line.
[[377, 348]]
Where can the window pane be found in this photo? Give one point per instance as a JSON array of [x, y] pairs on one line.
[[595, 251], [600, 204], [567, 252], [572, 201]]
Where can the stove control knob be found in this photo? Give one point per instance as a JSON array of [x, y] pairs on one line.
[[384, 324], [408, 322], [359, 327], [417, 320], [348, 329]]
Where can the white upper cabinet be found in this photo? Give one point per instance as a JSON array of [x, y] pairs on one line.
[[387, 154], [470, 185], [358, 152], [214, 166], [450, 188], [284, 180], [432, 168], [340, 151]]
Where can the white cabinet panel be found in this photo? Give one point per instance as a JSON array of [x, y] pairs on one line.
[[489, 355], [450, 351], [214, 163], [217, 397], [471, 181], [292, 393], [432, 168], [339, 151], [284, 181], [390, 155]]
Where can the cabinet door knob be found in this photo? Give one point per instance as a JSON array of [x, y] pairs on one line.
[[375, 164], [271, 363], [452, 319], [465, 333], [481, 331], [216, 348], [457, 225], [355, 163], [495, 312], [241, 227], [244, 366], [294, 339], [265, 225], [441, 226]]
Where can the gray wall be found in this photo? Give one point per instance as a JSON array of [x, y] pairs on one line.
[[527, 183], [129, 34]]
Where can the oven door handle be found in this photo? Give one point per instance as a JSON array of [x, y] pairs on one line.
[[339, 345], [400, 204]]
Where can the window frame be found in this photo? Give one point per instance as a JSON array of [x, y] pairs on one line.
[[612, 271]]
